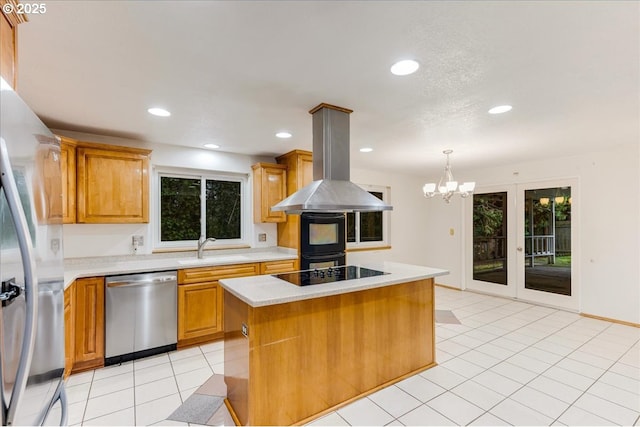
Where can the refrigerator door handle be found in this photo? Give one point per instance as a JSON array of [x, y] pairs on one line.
[[61, 395], [10, 188]]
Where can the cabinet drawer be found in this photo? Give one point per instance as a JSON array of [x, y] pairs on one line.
[[208, 274], [283, 266]]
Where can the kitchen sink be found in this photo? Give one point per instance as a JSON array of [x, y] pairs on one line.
[[217, 259]]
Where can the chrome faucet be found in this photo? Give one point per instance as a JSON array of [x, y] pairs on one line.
[[201, 242]]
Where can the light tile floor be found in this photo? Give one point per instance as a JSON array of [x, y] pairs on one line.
[[507, 363]]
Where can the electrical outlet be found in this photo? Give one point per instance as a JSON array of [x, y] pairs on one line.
[[262, 237], [245, 330], [55, 245], [137, 240]]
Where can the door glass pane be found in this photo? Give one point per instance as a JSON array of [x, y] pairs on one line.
[[490, 237], [548, 240], [179, 209], [223, 209]]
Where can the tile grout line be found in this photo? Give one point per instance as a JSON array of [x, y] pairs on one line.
[[518, 352], [596, 380]]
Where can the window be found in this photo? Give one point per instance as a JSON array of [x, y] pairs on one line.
[[368, 229], [200, 204]]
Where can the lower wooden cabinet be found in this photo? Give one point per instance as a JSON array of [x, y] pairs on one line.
[[69, 329], [275, 267], [88, 319], [199, 312], [200, 297]]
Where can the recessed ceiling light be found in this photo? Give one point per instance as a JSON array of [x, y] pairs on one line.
[[213, 146], [405, 67], [366, 149], [500, 109], [283, 135], [160, 112]]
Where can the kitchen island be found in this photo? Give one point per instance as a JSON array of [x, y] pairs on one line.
[[293, 353]]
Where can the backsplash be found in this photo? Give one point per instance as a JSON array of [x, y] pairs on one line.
[[98, 240]]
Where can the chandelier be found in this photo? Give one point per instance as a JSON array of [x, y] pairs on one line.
[[447, 186]]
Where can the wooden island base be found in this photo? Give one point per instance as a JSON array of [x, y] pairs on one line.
[[302, 359]]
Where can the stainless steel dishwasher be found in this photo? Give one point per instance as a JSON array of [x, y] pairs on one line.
[[140, 315]]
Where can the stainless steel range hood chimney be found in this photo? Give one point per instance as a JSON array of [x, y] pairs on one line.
[[331, 190]]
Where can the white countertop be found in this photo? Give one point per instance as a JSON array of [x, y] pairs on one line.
[[75, 268], [259, 291]]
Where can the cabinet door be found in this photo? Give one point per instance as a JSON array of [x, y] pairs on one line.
[[112, 186], [46, 181], [89, 323], [299, 174], [8, 49], [69, 321], [68, 166], [199, 312], [305, 170], [269, 188]]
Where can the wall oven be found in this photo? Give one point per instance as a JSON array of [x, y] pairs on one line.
[[322, 240]]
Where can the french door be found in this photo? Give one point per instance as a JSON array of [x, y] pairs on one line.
[[522, 242]]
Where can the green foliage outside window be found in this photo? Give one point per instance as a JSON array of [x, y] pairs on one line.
[[181, 207], [223, 209]]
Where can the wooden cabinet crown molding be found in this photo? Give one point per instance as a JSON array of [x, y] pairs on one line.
[[119, 148], [14, 17]]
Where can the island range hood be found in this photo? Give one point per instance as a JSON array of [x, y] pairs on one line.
[[331, 190]]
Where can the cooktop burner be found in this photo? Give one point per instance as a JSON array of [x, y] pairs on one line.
[[328, 275]]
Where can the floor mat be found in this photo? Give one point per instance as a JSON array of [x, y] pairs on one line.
[[197, 409], [446, 316]]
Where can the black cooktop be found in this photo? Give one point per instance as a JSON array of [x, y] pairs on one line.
[[328, 275]]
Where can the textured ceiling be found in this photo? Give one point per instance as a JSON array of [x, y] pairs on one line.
[[236, 72]]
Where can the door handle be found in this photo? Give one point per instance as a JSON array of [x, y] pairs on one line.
[[519, 248]]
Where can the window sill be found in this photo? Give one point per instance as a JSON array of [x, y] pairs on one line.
[[368, 248], [192, 249]]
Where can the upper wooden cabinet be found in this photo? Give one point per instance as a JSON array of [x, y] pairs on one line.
[[68, 166], [9, 44], [299, 174], [269, 188], [112, 184], [47, 182]]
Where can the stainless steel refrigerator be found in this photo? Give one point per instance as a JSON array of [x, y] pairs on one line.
[[31, 268]]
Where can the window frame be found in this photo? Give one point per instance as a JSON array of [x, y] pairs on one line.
[[379, 244], [203, 175]]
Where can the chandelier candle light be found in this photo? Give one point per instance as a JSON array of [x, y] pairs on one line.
[[447, 186]]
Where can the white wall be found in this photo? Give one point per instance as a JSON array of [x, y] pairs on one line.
[[608, 234], [87, 240]]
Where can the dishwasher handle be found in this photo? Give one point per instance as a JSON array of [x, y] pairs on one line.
[[143, 282]]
